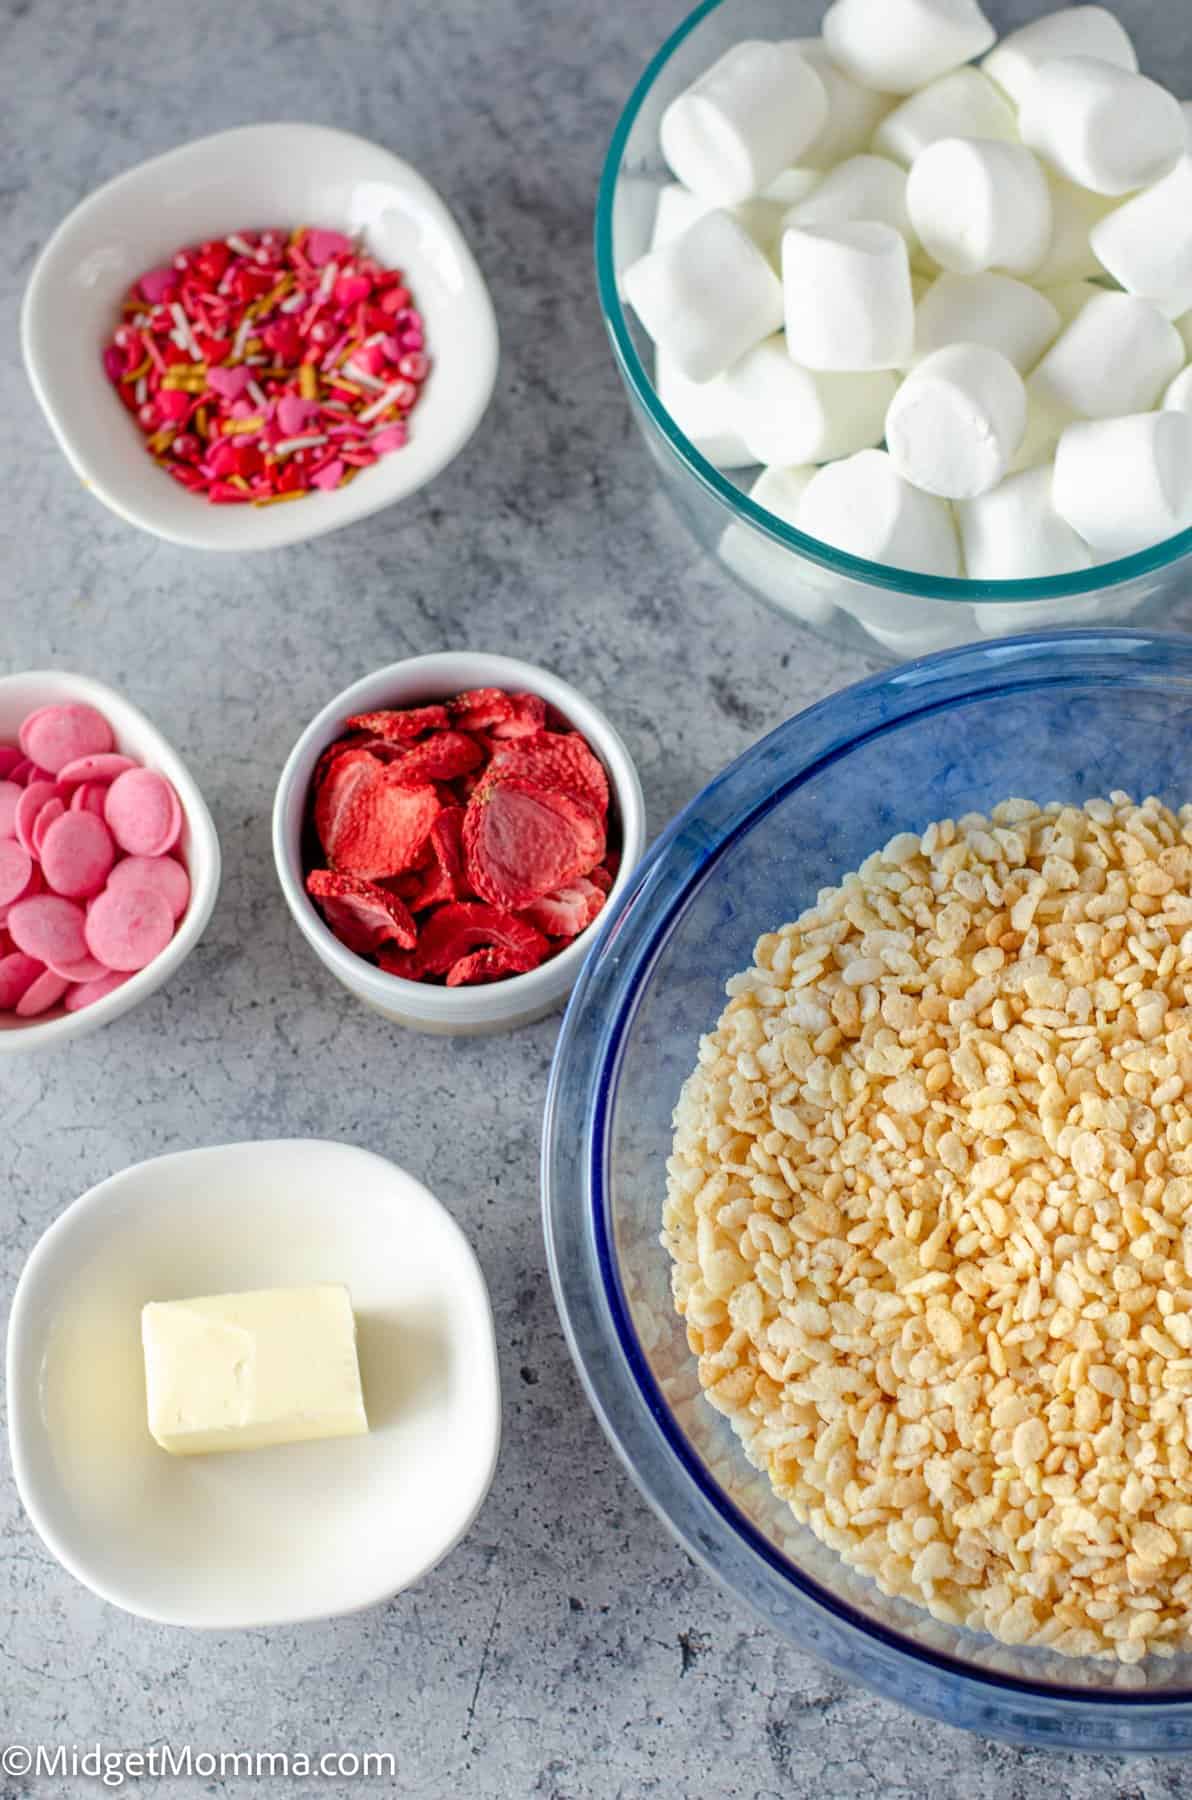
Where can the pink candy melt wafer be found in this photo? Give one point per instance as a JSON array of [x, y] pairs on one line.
[[91, 797], [53, 809], [143, 813], [88, 992], [41, 994], [76, 850], [10, 759], [10, 793], [16, 871], [27, 809], [49, 927], [17, 972], [54, 736], [102, 766], [161, 873], [127, 928], [87, 968]]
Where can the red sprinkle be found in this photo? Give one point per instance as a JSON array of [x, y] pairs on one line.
[[267, 364]]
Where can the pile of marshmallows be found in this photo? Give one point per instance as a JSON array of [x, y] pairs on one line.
[[947, 237]]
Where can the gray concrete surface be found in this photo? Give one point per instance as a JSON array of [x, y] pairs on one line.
[[568, 1649]]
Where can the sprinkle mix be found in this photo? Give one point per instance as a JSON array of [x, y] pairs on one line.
[[462, 842], [265, 364]]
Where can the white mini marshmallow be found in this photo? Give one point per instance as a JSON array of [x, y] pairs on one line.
[[1146, 243], [862, 187], [702, 412], [786, 190], [1045, 424], [1103, 127], [1178, 397], [989, 309], [706, 297], [863, 505], [962, 104], [1071, 297], [1117, 356], [1013, 533], [1073, 31], [1074, 213], [1125, 484], [788, 415], [771, 569], [849, 302], [977, 204], [956, 421], [746, 119], [1184, 326], [898, 46], [854, 112]]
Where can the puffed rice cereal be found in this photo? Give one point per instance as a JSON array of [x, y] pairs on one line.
[[930, 1211]]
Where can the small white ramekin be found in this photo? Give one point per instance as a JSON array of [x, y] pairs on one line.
[[135, 736], [499, 1005]]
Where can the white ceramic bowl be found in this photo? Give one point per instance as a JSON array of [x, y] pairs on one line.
[[500, 1005], [266, 1537], [135, 736], [259, 175]]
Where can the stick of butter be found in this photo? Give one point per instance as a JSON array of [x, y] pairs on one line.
[[240, 1371]]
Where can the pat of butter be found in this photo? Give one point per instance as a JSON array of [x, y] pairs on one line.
[[241, 1371]]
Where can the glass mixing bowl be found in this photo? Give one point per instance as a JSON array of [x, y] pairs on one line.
[[1067, 715], [866, 605]]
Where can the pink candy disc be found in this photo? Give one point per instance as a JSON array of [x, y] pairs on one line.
[[28, 807], [161, 873], [17, 972], [49, 927], [104, 765], [88, 968], [88, 992], [10, 759], [22, 773], [16, 870], [53, 809], [10, 793], [91, 797], [125, 929], [41, 994], [143, 813], [76, 852], [54, 736]]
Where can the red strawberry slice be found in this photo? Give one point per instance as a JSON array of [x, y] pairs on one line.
[[555, 759], [479, 708], [382, 826], [521, 840], [487, 965], [568, 911], [401, 726], [445, 879], [362, 916], [457, 929], [442, 757], [527, 717], [344, 777]]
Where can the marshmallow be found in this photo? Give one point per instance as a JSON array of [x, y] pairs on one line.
[[1044, 425], [994, 310], [1178, 397], [746, 119], [863, 187], [1103, 127], [1073, 31], [787, 415], [701, 411], [771, 569], [677, 208], [1117, 356], [848, 297], [791, 186], [854, 112], [963, 104], [1013, 533], [1071, 297], [863, 506], [1125, 484], [956, 421], [898, 46], [953, 626], [1074, 213], [977, 204], [1184, 326], [707, 297], [1146, 243]]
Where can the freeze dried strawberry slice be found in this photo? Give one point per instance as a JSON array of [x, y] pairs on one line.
[[487, 965], [479, 708], [455, 930], [382, 827], [527, 717], [522, 840], [441, 757], [569, 910], [555, 759], [401, 727], [362, 916], [344, 777], [603, 876]]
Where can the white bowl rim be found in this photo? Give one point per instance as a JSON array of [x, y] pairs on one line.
[[203, 867], [274, 526], [515, 994], [94, 1199]]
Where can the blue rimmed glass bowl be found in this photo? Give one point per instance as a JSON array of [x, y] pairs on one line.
[[863, 604], [1062, 716]]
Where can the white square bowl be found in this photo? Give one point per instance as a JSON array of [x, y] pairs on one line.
[[259, 175]]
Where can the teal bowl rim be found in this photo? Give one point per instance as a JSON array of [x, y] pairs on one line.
[[928, 587]]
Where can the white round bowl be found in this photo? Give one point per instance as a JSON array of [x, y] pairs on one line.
[[286, 175], [135, 736], [263, 1537], [500, 1005]]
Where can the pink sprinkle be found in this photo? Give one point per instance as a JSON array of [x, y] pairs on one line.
[[392, 437], [322, 246], [158, 284], [329, 476], [231, 383], [293, 413]]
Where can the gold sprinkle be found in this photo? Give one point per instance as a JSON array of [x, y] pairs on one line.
[[308, 382]]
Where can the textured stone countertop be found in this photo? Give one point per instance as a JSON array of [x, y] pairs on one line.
[[568, 1648]]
